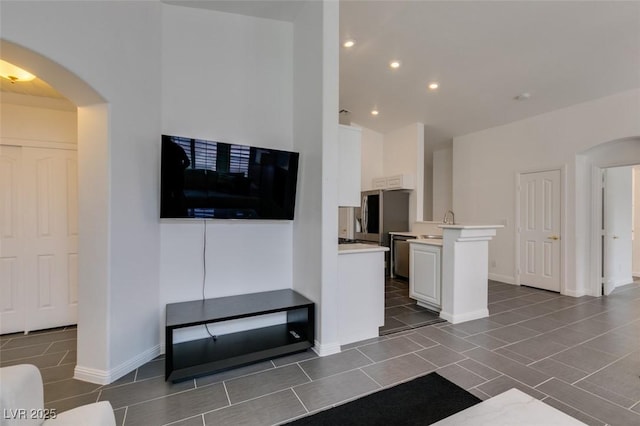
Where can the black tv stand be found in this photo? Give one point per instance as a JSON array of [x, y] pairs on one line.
[[206, 356]]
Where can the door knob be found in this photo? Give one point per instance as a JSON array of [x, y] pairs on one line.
[[553, 237], [615, 237]]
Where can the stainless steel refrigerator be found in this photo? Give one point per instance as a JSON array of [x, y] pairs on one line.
[[381, 212]]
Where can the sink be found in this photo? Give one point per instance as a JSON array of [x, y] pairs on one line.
[[430, 237]]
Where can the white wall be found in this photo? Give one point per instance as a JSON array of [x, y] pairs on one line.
[[636, 222], [226, 77], [442, 182], [109, 51], [485, 165], [25, 123], [315, 129], [404, 153], [108, 59], [372, 157]]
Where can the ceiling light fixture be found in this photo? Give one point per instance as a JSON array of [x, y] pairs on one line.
[[375, 112], [433, 86], [14, 73], [349, 43], [395, 64]]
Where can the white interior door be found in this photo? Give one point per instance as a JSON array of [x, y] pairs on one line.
[[42, 247], [12, 310], [617, 228], [540, 231]]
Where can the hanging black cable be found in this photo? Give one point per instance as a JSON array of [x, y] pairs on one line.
[[204, 270]]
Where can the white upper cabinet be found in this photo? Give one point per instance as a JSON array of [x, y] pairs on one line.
[[394, 182], [349, 166]]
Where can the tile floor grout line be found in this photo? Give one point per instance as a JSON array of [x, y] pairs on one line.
[[574, 408], [226, 392], [610, 391], [304, 371], [298, 397], [507, 375], [618, 358], [124, 416], [158, 397], [183, 419], [374, 380], [62, 359], [596, 396], [473, 372], [363, 354]]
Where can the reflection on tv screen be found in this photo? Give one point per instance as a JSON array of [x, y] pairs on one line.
[[216, 180]]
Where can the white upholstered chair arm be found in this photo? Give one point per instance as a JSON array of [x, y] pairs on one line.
[[20, 389], [97, 414], [22, 402]]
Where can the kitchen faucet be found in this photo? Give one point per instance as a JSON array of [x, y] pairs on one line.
[[446, 218]]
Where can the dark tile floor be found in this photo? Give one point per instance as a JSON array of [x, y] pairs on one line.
[[580, 355], [401, 312]]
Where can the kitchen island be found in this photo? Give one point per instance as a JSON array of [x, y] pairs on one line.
[[361, 291], [451, 275]]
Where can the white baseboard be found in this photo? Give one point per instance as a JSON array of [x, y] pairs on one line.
[[467, 316], [102, 377], [502, 278], [622, 281], [575, 293], [324, 350], [91, 375]]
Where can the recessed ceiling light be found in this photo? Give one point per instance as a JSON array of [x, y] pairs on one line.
[[433, 86], [523, 96], [395, 64], [374, 112], [349, 43]]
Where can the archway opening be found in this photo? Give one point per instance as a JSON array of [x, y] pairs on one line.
[[93, 204], [593, 164]]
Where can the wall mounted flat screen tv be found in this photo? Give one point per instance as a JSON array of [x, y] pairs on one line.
[[216, 180]]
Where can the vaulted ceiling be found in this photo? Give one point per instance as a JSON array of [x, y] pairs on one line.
[[483, 54]]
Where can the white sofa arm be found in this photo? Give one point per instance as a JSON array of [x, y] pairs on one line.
[[22, 402], [21, 395], [96, 414]]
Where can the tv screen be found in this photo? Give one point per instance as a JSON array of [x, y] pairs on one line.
[[207, 179]]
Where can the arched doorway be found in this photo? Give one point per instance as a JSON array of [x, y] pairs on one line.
[[93, 202], [593, 164]]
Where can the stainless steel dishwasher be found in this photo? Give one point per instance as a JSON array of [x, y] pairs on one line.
[[401, 255]]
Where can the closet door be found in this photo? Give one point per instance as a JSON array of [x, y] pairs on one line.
[[50, 236], [38, 255], [12, 310]]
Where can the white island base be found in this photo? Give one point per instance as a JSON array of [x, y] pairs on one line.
[[465, 271]]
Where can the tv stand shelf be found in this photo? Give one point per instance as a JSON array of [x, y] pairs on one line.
[[206, 356]]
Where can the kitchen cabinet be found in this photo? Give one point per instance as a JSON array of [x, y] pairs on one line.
[[360, 291], [349, 166], [403, 181], [425, 276]]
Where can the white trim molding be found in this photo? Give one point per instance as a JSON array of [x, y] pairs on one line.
[[467, 316], [324, 350], [507, 279], [102, 377]]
